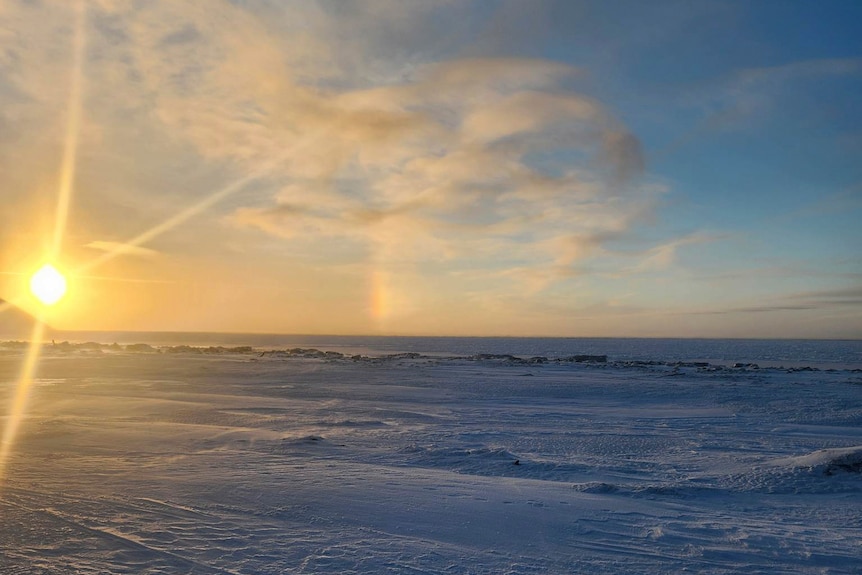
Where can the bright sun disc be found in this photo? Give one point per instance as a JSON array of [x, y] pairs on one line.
[[48, 285]]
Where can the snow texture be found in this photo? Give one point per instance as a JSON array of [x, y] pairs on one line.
[[241, 462]]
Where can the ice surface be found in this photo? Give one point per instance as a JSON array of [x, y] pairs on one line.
[[238, 462]]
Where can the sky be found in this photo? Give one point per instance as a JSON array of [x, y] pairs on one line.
[[489, 167]]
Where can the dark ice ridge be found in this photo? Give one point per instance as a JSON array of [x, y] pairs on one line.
[[848, 463], [488, 358]]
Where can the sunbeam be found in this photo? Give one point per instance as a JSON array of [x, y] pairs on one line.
[[199, 206], [22, 394], [171, 222], [73, 128]]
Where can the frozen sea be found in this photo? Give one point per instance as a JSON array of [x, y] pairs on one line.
[[318, 454]]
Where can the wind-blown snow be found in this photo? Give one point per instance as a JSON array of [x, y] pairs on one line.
[[247, 463]]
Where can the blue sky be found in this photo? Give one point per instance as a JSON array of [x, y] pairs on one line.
[[573, 168]]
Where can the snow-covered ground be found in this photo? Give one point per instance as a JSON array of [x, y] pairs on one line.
[[276, 463]]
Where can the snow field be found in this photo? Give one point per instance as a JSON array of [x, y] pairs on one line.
[[234, 463]]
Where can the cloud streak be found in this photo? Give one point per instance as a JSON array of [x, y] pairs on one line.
[[819, 300]]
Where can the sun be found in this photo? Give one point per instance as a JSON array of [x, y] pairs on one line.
[[48, 285]]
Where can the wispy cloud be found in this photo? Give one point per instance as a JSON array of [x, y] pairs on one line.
[[121, 248], [665, 255], [842, 201], [749, 96]]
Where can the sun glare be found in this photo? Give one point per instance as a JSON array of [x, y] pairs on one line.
[[48, 285]]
